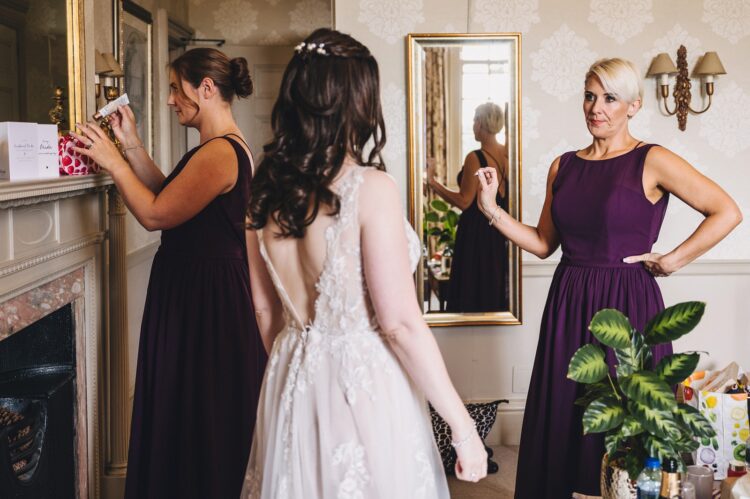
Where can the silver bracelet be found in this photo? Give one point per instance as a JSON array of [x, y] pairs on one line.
[[494, 215], [458, 444], [126, 149]]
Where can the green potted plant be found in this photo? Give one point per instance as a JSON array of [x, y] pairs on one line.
[[636, 408], [441, 221]]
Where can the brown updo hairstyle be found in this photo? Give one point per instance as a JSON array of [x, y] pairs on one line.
[[230, 76], [328, 107]]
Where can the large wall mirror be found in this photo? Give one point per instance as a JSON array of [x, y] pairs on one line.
[[464, 112], [41, 48]]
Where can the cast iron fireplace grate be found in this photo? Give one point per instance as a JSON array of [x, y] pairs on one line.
[[37, 400]]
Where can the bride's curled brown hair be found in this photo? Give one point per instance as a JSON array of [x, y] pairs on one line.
[[328, 108]]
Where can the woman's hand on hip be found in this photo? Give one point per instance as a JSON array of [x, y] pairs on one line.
[[656, 263], [99, 147]]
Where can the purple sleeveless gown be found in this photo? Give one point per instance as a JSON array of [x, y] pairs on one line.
[[602, 215], [201, 359]]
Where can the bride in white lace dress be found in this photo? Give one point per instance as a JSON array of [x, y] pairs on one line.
[[342, 412]]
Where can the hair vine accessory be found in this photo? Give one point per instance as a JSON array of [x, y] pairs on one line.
[[318, 48]]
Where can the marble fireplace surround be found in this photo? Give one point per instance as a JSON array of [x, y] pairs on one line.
[[74, 288], [62, 242]]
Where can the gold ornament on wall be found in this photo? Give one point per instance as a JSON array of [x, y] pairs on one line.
[[57, 112], [707, 68]]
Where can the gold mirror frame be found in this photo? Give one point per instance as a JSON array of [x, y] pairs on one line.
[[76, 62], [416, 113]]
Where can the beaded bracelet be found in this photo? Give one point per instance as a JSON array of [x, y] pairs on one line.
[[458, 444]]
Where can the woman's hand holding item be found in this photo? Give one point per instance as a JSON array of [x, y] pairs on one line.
[[99, 147], [124, 127]]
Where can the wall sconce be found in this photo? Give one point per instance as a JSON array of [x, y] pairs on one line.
[[662, 68], [111, 89], [101, 67]]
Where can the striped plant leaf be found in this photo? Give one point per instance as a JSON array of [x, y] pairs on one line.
[[611, 328], [593, 392], [662, 449], [657, 422], [612, 442], [602, 415], [685, 444], [676, 368], [649, 389], [631, 427], [630, 359], [673, 322], [697, 422], [587, 365]]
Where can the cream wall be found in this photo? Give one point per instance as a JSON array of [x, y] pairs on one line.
[[258, 22], [559, 41]]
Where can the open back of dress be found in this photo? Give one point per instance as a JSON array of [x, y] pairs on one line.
[[338, 416]]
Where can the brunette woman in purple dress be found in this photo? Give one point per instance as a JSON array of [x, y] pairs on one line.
[[605, 205], [201, 358]]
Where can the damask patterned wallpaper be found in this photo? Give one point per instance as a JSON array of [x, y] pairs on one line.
[[560, 40], [258, 22]]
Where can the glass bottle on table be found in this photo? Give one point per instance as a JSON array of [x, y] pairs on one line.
[[670, 479], [687, 490]]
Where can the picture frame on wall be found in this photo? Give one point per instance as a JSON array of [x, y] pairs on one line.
[[136, 51]]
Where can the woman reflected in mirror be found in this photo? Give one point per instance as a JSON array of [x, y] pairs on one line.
[[604, 205], [479, 271]]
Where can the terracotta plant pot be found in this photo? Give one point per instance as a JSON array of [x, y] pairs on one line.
[[615, 482]]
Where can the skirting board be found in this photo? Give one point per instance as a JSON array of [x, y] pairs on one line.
[[507, 427]]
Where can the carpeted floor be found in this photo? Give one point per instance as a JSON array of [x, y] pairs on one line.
[[500, 485]]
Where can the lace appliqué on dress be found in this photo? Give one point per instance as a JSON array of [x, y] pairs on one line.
[[339, 359], [351, 455]]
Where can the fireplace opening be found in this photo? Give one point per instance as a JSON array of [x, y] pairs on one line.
[[37, 407]]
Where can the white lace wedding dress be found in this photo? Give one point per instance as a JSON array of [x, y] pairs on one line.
[[338, 416]]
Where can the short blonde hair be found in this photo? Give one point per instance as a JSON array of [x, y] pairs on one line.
[[619, 77], [490, 117]]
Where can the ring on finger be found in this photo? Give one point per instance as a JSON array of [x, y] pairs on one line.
[[89, 145]]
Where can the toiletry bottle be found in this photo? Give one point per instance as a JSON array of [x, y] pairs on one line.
[[670, 479]]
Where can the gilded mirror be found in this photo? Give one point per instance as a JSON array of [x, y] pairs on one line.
[[464, 113], [41, 49]]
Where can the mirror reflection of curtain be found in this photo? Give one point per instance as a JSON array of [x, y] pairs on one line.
[[436, 119], [435, 108]]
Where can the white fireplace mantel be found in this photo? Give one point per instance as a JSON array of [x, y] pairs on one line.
[[71, 230], [14, 194]]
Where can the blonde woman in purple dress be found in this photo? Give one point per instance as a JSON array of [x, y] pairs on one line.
[[605, 205]]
